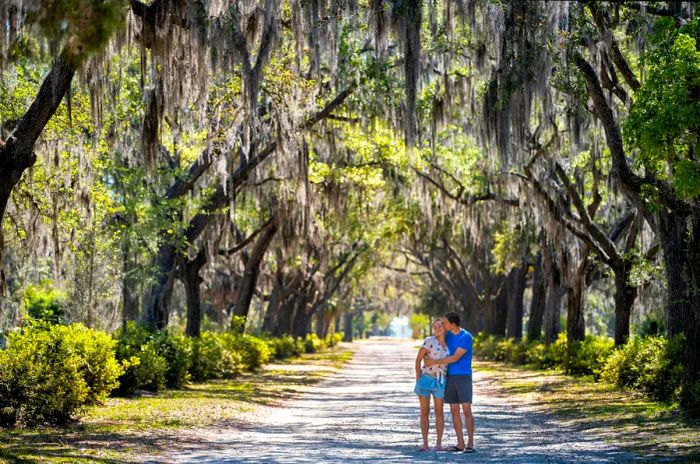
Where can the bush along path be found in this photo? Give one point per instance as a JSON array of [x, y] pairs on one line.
[[368, 413], [53, 379]]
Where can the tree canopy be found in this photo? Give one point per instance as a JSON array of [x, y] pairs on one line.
[[530, 164]]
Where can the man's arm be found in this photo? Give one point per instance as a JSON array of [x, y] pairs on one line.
[[448, 360]]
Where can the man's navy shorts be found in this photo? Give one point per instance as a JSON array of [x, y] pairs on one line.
[[458, 389]]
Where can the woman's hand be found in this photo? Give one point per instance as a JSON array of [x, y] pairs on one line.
[[429, 362]]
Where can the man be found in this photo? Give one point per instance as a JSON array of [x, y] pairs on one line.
[[458, 391]]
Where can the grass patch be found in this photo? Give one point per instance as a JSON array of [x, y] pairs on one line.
[[132, 430], [625, 418]]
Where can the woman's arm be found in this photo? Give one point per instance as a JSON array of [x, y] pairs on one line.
[[421, 354]]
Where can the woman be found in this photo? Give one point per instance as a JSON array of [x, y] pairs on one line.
[[431, 381]]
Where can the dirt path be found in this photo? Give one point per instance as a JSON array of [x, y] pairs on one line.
[[367, 413]]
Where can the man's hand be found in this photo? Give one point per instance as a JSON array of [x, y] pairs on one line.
[[448, 360]]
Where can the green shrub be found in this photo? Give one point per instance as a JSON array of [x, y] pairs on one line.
[[538, 355], [558, 352], [332, 339], [313, 344], [661, 370], [176, 350], [226, 355], [254, 350], [588, 357], [651, 364], [493, 348], [286, 347], [144, 367], [582, 358], [45, 302], [651, 325], [231, 364], [49, 373], [237, 324], [207, 353], [485, 346]]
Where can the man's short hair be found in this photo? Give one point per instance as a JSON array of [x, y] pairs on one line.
[[453, 318]]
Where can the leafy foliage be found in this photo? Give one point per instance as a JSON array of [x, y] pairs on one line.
[[50, 373], [87, 24], [664, 121], [144, 367], [44, 301], [652, 365]]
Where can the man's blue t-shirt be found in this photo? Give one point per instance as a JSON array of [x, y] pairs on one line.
[[464, 340]]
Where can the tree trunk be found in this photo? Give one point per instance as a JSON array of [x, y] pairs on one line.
[[625, 294], [285, 318], [555, 292], [17, 153], [500, 312], [302, 318], [192, 280], [273, 307], [252, 270], [130, 298], [158, 305], [575, 326], [515, 283], [539, 294], [470, 306], [347, 323], [320, 324], [680, 240]]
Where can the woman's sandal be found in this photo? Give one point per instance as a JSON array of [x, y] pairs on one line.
[[455, 449], [424, 448], [469, 449]]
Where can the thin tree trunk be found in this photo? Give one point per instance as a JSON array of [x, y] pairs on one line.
[[192, 281], [555, 292], [273, 307], [252, 270], [302, 318], [130, 298], [516, 288], [500, 312], [286, 318], [625, 294], [575, 324], [320, 324], [347, 324], [158, 303], [539, 295]]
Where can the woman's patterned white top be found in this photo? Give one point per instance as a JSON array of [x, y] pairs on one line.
[[435, 351]]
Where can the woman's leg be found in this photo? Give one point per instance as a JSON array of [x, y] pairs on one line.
[[424, 418], [439, 419]]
